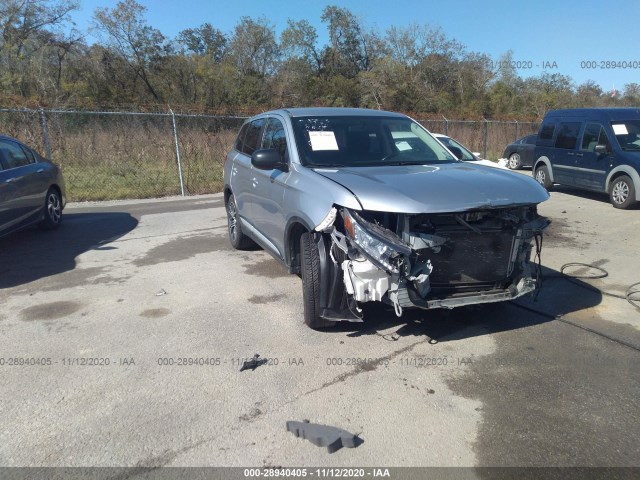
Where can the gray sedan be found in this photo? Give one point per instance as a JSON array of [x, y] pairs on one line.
[[31, 188], [367, 206]]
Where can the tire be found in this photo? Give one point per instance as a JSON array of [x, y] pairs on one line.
[[52, 210], [622, 192], [514, 162], [543, 178], [310, 272], [238, 240]]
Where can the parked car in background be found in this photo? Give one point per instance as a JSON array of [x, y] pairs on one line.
[[520, 153], [594, 149], [31, 188], [367, 206], [463, 153]]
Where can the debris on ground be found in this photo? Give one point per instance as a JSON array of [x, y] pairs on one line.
[[254, 363], [161, 292], [333, 438]]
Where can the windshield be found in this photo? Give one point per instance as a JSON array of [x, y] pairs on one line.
[[365, 141], [627, 134], [465, 154]]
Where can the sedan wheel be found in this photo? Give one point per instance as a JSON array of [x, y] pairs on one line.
[[514, 162], [52, 210]]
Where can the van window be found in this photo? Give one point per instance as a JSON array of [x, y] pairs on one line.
[[627, 134], [567, 135], [546, 132], [593, 135]]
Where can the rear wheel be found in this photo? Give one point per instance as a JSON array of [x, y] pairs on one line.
[[310, 272], [622, 192], [238, 240], [52, 210], [514, 162], [543, 178]]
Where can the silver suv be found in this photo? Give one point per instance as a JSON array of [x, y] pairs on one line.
[[367, 206]]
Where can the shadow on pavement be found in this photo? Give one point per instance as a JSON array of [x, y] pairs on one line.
[[33, 254], [586, 194], [556, 298]]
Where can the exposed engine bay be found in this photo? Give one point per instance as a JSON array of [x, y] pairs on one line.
[[426, 260]]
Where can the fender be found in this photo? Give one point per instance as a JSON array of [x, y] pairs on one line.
[[547, 162], [628, 170]]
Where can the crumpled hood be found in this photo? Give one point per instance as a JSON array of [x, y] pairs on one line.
[[449, 187]]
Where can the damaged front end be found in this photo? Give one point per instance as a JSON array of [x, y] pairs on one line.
[[443, 260]]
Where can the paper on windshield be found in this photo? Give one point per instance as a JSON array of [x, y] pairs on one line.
[[402, 146], [620, 129], [323, 141]]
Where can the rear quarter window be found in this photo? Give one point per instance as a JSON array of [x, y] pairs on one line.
[[546, 131]]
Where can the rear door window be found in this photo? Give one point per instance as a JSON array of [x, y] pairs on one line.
[[13, 155], [568, 135]]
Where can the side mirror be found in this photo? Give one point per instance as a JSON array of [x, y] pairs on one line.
[[268, 159], [601, 150], [477, 154]]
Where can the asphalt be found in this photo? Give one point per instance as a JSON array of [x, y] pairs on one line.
[[137, 286]]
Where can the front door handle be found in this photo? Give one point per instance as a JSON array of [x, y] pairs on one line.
[[40, 170], [579, 154]]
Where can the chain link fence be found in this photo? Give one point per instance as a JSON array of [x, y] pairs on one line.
[[117, 155]]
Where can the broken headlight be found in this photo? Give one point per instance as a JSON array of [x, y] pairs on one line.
[[377, 243]]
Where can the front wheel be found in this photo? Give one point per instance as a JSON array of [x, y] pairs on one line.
[[543, 178], [622, 192], [310, 272], [238, 239], [52, 210], [514, 162]]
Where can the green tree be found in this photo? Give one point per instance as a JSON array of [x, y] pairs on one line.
[[128, 36]]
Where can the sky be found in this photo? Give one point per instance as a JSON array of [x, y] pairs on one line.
[[583, 39]]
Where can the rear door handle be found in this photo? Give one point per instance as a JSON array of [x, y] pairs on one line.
[[40, 170], [579, 154]]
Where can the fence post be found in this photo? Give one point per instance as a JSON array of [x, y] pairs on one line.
[[517, 130], [486, 135], [446, 126], [45, 131], [175, 137]]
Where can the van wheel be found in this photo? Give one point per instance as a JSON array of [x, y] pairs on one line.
[[514, 162], [622, 192], [543, 178], [310, 272]]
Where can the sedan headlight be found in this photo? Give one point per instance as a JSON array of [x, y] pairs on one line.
[[376, 243]]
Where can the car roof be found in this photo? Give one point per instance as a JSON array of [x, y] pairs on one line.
[[334, 112], [618, 113], [7, 137]]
